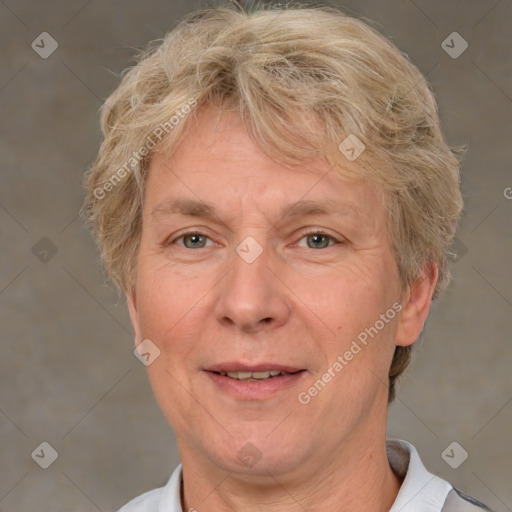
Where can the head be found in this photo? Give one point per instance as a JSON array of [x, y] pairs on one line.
[[245, 129]]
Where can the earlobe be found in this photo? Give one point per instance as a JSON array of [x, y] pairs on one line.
[[416, 304]]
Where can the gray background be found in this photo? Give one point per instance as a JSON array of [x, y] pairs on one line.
[[68, 373]]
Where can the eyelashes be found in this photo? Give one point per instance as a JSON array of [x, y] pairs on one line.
[[195, 239], [196, 235]]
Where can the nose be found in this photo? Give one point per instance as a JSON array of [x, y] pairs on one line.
[[251, 296]]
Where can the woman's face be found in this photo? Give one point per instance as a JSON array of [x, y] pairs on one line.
[[253, 280]]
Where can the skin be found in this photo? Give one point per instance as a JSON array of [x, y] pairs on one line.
[[300, 303]]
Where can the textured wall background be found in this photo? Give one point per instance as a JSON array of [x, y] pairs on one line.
[[68, 374]]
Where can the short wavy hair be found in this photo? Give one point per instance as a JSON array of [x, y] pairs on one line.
[[303, 79]]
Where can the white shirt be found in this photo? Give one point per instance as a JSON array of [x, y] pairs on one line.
[[420, 491]]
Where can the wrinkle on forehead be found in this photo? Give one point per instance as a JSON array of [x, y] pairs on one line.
[[249, 181]]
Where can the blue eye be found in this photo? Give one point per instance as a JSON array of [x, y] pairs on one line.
[[193, 240], [318, 240], [313, 240]]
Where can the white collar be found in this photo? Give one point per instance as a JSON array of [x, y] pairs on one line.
[[421, 491]]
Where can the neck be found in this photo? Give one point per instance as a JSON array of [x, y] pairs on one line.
[[357, 476]]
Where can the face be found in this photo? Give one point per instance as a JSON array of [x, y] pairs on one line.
[[247, 267]]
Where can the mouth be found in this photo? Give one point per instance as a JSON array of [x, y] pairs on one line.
[[254, 381], [254, 376]]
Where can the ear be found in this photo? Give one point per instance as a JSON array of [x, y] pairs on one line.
[[131, 300], [416, 301]]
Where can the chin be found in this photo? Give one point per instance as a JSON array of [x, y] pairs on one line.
[[257, 454]]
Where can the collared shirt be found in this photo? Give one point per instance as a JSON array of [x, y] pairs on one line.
[[420, 491]]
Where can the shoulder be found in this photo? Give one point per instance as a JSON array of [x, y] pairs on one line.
[[457, 501], [420, 489], [147, 502], [165, 498]]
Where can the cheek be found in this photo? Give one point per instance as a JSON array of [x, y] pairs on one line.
[[166, 297], [348, 297], [169, 307], [168, 310], [351, 302]]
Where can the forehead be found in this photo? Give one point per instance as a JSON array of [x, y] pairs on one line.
[[218, 162]]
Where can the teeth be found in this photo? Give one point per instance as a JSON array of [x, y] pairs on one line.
[[241, 375], [251, 376], [259, 375]]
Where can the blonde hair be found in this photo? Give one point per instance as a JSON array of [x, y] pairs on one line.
[[303, 79]]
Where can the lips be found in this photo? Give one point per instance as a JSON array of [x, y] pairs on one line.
[[241, 367], [256, 381], [252, 373], [252, 376]]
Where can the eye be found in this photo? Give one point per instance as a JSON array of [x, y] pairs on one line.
[[317, 240], [192, 240]]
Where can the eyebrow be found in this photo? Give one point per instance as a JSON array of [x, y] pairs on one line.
[[301, 208], [189, 207]]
